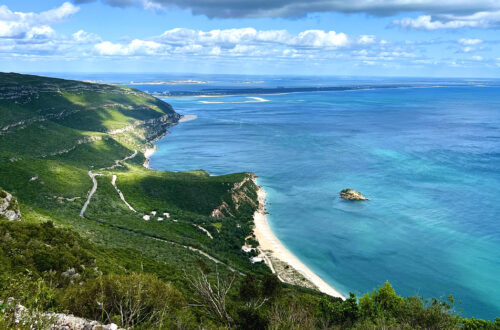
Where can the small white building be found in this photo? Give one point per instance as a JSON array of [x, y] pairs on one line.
[[146, 217], [166, 214], [256, 259], [175, 220], [247, 249], [153, 212], [160, 219]]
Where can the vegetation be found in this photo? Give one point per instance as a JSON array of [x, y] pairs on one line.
[[111, 265]]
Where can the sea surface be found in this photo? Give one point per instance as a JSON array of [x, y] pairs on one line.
[[426, 153]]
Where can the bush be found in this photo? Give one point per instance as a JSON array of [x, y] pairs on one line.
[[475, 324], [340, 312], [129, 300]]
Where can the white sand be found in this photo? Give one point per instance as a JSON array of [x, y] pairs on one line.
[[147, 154], [185, 118], [268, 241]]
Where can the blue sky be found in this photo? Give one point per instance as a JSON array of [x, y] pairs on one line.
[[449, 38]]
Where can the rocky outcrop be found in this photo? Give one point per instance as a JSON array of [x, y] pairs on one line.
[[151, 129], [27, 319], [9, 208], [240, 193], [353, 195]]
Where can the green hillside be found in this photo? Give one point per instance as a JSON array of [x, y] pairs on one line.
[[98, 228]]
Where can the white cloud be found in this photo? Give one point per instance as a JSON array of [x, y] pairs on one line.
[[134, 48], [231, 38], [318, 38], [483, 19], [477, 58], [425, 22], [32, 25], [366, 39], [43, 31], [468, 42], [85, 37]]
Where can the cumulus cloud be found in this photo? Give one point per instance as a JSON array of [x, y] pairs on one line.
[[300, 8], [231, 38], [32, 25], [366, 39], [482, 20], [247, 42], [134, 48], [84, 37]]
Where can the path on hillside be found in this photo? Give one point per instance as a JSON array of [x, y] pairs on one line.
[[94, 181], [203, 253], [205, 231], [92, 192], [113, 182], [117, 162], [163, 240]]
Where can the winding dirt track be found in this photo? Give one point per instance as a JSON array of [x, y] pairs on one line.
[[113, 182], [92, 192]]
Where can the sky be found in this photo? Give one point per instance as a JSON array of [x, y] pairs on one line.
[[413, 38]]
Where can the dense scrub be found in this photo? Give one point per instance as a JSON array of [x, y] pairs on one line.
[[49, 268]]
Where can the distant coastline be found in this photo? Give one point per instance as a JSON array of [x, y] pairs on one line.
[[274, 251]]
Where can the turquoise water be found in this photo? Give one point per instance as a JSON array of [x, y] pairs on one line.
[[428, 158]]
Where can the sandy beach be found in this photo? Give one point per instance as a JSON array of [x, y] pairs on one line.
[[273, 248], [147, 154]]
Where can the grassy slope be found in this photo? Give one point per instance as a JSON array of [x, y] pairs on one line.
[[57, 130]]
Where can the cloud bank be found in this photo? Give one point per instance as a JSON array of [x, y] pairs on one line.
[[434, 15], [32, 25], [236, 42], [300, 8]]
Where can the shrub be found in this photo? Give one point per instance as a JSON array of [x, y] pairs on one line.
[[129, 300]]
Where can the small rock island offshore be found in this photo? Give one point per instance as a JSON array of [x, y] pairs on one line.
[[353, 195]]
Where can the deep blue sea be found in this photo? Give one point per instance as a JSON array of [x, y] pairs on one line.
[[427, 155]]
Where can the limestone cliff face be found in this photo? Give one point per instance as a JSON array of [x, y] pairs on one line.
[[9, 208], [242, 194]]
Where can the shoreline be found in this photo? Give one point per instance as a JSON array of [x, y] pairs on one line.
[[272, 248], [148, 152]]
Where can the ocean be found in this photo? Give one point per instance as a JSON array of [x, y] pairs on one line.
[[426, 153]]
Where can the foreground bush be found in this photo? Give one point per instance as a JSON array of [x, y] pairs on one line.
[[129, 300]]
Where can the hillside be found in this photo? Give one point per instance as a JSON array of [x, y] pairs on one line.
[[105, 238]]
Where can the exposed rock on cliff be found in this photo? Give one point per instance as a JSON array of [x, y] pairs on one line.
[[9, 207], [243, 193], [351, 194], [57, 321]]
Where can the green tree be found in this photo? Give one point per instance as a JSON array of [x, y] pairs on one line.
[[340, 312]]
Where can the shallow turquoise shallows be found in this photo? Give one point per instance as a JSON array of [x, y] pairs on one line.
[[428, 158]]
